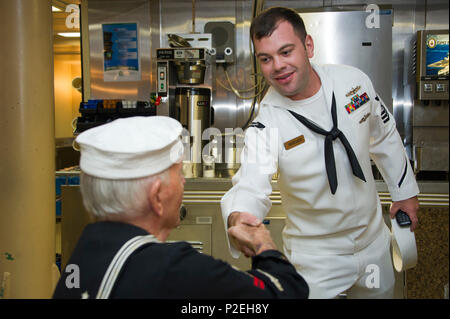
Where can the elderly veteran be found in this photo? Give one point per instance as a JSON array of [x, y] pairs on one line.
[[132, 183]]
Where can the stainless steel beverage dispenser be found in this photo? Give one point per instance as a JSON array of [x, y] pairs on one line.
[[193, 110], [430, 127], [184, 83]]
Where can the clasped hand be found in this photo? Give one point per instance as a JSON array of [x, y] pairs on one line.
[[248, 234]]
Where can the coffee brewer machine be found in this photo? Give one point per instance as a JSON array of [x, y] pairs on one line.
[[184, 83]]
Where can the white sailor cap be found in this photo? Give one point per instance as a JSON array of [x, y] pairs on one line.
[[131, 147]]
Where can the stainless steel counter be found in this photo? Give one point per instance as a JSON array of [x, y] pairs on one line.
[[211, 190]]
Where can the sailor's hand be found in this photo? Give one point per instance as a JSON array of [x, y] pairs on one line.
[[410, 206], [246, 219], [256, 239]]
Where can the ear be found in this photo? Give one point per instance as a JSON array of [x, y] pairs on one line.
[[154, 197], [309, 46]]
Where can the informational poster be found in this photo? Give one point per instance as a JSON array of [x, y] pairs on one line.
[[120, 52], [437, 55]]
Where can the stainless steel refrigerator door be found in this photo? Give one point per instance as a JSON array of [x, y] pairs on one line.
[[345, 37]]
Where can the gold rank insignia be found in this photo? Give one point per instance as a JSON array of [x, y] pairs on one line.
[[294, 142], [353, 91]]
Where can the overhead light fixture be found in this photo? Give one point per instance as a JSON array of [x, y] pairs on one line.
[[56, 9], [69, 34]]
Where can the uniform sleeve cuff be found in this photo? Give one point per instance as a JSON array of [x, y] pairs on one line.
[[275, 254], [407, 191]]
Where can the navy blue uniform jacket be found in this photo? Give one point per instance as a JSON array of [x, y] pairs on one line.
[[174, 270]]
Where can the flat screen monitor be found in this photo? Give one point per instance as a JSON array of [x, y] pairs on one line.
[[436, 56]]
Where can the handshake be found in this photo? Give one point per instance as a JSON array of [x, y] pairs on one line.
[[248, 234]]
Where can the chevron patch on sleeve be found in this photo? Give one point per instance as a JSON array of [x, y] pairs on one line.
[[257, 125]]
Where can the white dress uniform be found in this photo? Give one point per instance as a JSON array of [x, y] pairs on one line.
[[329, 237]]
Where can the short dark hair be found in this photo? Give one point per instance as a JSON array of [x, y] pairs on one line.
[[267, 21]]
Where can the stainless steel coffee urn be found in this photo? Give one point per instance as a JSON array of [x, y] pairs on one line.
[[193, 110]]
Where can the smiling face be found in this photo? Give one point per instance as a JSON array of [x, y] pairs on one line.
[[284, 62]]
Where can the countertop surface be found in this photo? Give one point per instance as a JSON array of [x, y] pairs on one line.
[[429, 187], [223, 184]]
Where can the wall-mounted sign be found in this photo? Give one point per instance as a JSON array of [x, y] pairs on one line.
[[437, 55], [120, 52]]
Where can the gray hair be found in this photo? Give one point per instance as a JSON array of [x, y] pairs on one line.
[[126, 197]]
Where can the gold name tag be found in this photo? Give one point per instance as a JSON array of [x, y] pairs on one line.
[[294, 142]]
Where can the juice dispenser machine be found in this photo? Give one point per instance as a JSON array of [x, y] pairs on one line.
[[430, 109]]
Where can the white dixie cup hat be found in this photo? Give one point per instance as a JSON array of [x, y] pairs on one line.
[[131, 147]]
